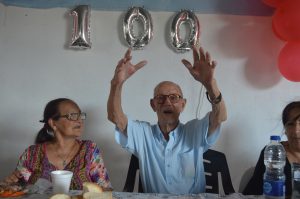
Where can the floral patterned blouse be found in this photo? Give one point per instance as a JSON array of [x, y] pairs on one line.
[[87, 165]]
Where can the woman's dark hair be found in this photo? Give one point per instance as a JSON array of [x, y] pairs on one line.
[[286, 111], [51, 111]]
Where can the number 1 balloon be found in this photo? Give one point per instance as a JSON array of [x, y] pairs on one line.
[[81, 27]]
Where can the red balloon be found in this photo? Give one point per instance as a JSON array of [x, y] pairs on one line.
[[273, 3], [286, 20], [289, 61], [276, 33]]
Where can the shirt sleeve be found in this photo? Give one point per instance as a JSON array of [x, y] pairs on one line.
[[98, 172], [212, 138], [198, 129], [23, 165], [136, 135]]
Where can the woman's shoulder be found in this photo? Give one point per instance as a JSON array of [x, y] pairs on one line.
[[34, 147], [89, 147], [285, 144], [88, 143], [35, 150]]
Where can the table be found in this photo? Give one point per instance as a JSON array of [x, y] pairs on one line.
[[127, 195]]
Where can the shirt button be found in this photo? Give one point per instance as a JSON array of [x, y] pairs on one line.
[[168, 165]]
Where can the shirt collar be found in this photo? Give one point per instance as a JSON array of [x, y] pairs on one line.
[[174, 134]]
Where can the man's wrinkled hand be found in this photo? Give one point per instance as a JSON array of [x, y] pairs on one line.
[[203, 67]]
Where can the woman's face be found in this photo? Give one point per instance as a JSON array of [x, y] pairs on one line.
[[292, 128], [65, 126]]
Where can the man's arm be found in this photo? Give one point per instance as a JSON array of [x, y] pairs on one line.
[[114, 109], [203, 71], [218, 113], [123, 71]]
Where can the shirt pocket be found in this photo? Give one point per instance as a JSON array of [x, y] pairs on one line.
[[187, 164]]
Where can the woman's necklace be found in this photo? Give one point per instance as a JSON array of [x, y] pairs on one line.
[[64, 160]]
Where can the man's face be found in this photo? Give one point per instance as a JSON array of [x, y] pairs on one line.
[[168, 103]]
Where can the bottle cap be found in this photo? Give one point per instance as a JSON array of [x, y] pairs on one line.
[[275, 137]]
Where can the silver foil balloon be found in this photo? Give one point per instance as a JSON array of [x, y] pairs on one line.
[[81, 27], [188, 17], [136, 40]]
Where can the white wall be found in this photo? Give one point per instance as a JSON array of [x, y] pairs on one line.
[[36, 66]]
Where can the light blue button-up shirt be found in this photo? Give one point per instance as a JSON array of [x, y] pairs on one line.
[[174, 166]]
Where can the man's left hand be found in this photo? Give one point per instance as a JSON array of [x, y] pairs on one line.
[[203, 68]]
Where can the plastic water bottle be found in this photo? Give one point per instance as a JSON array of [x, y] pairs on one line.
[[274, 177]]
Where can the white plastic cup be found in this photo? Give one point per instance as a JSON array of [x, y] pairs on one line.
[[61, 180]]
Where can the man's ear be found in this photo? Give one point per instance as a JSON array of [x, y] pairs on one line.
[[183, 104], [152, 105]]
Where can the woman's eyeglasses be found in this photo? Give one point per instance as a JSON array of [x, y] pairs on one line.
[[292, 124], [174, 98], [74, 116]]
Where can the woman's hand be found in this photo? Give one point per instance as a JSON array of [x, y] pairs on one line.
[[14, 177]]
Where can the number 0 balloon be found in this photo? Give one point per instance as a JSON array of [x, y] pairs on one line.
[[81, 27], [134, 39], [188, 17]]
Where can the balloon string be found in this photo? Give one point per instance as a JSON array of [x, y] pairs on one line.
[[200, 102]]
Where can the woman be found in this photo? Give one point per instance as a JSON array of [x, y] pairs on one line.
[[57, 146], [291, 123]]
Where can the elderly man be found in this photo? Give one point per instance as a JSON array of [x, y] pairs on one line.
[[170, 153]]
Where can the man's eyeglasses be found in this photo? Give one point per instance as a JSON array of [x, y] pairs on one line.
[[74, 116], [174, 98]]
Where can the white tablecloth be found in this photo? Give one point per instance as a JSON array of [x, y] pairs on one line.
[[43, 190], [127, 195]]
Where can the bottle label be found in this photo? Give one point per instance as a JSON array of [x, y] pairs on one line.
[[274, 188]]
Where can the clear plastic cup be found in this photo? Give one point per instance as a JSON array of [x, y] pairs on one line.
[[296, 180]]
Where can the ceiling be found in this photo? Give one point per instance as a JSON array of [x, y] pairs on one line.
[[234, 7]]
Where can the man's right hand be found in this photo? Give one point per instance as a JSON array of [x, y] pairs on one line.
[[123, 71], [125, 68]]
